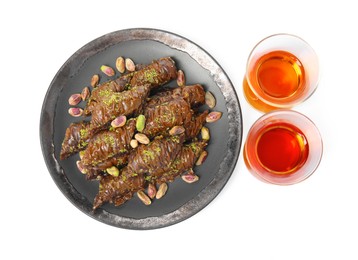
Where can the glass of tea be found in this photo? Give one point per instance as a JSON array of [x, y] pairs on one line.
[[282, 71], [283, 147]]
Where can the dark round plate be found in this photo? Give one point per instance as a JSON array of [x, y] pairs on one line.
[[143, 45]]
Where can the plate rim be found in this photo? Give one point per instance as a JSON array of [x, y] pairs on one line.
[[205, 60]]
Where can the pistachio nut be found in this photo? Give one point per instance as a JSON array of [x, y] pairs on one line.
[[210, 99], [75, 111], [152, 191], [113, 171], [130, 66], [181, 78], [176, 130], [162, 190], [213, 117], [85, 93], [205, 133], [74, 99], [94, 80], [144, 198], [120, 65], [142, 138], [202, 158], [134, 143], [119, 121], [190, 178], [140, 124], [107, 70]]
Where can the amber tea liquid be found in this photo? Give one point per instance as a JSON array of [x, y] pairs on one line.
[[281, 148], [278, 75]]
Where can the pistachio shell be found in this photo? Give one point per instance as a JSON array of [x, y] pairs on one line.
[[181, 78], [210, 99], [107, 70], [94, 80], [144, 198], [120, 65], [142, 138], [140, 124], [85, 93], [130, 66], [152, 191], [162, 190]]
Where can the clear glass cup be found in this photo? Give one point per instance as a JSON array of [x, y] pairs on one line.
[[282, 71], [283, 147]]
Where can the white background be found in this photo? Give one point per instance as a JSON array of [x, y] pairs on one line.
[[316, 219]]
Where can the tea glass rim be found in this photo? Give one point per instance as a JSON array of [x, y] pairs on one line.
[[279, 179], [277, 105]]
